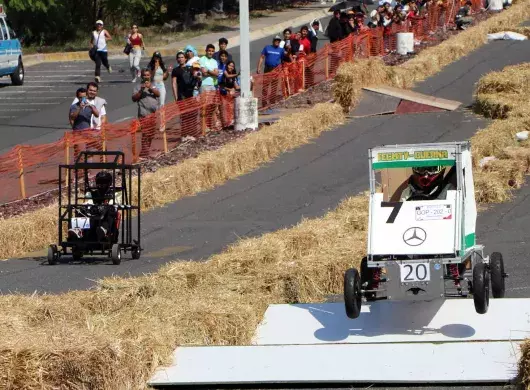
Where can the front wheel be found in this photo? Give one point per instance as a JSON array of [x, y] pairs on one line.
[[481, 288], [498, 287], [17, 78], [352, 293]]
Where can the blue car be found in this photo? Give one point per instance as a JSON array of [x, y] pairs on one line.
[[10, 52]]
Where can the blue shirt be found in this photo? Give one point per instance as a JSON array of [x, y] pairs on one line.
[[273, 55]]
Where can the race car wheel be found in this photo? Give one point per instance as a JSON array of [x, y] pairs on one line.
[[136, 253], [17, 78], [52, 255], [352, 293], [481, 288], [76, 254], [116, 254], [367, 276], [498, 288]]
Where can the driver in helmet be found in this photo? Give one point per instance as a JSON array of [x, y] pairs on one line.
[[427, 183], [103, 213]]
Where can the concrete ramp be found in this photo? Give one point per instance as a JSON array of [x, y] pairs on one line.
[[391, 342]]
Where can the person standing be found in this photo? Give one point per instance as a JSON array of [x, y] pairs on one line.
[[81, 112], [80, 116], [146, 96], [159, 74], [92, 90], [136, 40], [272, 56], [209, 69], [334, 29], [223, 44], [98, 46]]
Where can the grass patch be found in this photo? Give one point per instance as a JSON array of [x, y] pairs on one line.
[[115, 336]]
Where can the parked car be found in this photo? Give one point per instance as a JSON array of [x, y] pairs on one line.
[[10, 52]]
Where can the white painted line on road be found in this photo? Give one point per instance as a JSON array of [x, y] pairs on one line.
[[124, 119], [20, 109], [23, 98], [7, 117], [25, 104]]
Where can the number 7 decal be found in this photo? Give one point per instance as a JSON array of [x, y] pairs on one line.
[[396, 206]]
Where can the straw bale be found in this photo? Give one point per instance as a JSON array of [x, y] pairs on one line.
[[115, 336], [524, 364]]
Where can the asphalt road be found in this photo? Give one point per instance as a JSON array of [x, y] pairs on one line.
[[37, 112]]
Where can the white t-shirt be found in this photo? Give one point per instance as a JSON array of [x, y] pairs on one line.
[[192, 61], [100, 103]]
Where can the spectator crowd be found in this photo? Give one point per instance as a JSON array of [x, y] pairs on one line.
[[193, 75]]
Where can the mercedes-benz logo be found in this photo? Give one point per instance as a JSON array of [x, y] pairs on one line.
[[414, 236]]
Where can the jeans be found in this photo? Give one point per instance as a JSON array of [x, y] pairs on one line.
[[162, 99], [134, 60], [101, 58]]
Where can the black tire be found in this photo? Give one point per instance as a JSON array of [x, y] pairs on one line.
[[52, 255], [367, 275], [18, 76], [116, 254], [136, 252], [481, 288], [76, 254], [498, 288], [352, 293]]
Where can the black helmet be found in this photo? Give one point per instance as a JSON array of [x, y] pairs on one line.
[[103, 179]]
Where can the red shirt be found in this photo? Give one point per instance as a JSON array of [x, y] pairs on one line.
[[307, 44]]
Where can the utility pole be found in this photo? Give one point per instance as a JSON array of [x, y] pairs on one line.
[[246, 106]]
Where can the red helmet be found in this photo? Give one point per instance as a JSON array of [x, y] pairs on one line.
[[427, 178]]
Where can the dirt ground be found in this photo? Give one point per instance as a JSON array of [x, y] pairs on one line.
[[191, 148]]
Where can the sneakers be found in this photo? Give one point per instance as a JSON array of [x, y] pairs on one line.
[[75, 234], [98, 79], [134, 80], [109, 69]]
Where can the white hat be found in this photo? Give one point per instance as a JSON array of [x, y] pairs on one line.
[[99, 22]]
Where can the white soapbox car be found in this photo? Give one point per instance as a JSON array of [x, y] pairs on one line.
[[421, 248]]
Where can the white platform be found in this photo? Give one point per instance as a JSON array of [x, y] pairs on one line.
[[391, 322], [391, 342], [342, 363]]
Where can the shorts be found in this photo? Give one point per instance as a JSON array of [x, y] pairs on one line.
[[208, 88]]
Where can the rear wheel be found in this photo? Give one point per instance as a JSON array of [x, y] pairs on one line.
[[116, 254], [498, 288], [17, 78], [481, 288], [352, 293]]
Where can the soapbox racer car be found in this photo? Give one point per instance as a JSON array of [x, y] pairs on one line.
[[421, 230], [96, 214]]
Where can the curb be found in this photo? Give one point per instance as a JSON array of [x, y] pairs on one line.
[[35, 59]]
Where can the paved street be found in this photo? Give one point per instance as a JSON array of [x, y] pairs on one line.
[[37, 112]]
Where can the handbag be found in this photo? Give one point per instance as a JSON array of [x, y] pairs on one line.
[[127, 49], [94, 50]]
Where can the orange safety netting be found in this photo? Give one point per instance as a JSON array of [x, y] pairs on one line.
[[26, 171]]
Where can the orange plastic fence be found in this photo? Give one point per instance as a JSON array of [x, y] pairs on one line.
[[26, 171]]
